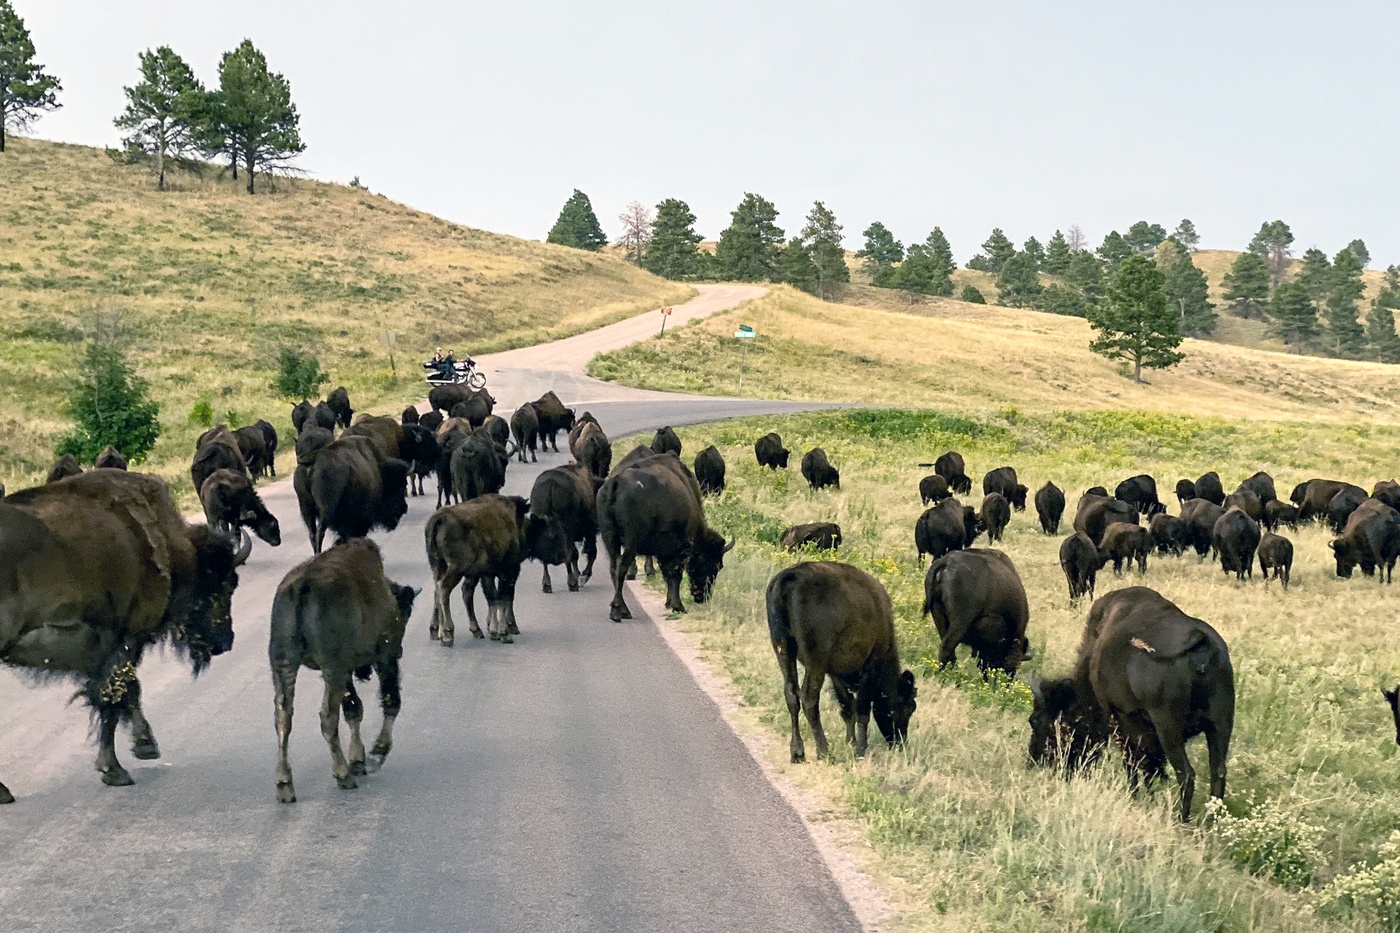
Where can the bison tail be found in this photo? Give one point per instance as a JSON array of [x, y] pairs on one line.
[[779, 621], [430, 539], [931, 585]]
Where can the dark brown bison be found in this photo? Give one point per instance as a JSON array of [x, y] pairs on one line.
[[339, 403], [824, 536], [652, 507], [323, 416], [310, 443], [933, 488], [355, 489], [567, 495], [1096, 513], [1319, 493], [443, 398], [301, 415], [217, 449], [836, 620], [1276, 554], [1125, 543], [1278, 513], [525, 426], [818, 471], [498, 429], [1236, 539], [1262, 485], [580, 423], [770, 452], [410, 416], [450, 435], [110, 459], [475, 410], [1185, 491], [1050, 507], [1098, 491], [1208, 487], [1299, 493], [554, 417], [947, 526], [1393, 698], [1246, 501], [386, 431], [709, 471], [478, 468], [1343, 504], [951, 467], [270, 442], [1141, 493], [338, 614], [64, 467], [231, 504], [482, 540], [1387, 491], [98, 568], [666, 442], [1153, 675], [1081, 561], [976, 599], [252, 444], [431, 420], [419, 449], [594, 450], [1170, 534], [1003, 481], [995, 515], [1200, 516], [1370, 539]]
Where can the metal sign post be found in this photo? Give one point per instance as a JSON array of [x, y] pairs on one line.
[[665, 313], [745, 333]]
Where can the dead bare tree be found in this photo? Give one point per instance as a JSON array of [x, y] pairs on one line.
[[1075, 238], [636, 230]]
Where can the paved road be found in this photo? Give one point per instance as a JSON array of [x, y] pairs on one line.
[[575, 780]]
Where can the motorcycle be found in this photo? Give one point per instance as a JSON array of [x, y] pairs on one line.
[[462, 372]]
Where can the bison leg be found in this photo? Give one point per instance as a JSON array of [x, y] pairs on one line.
[[671, 571], [143, 740], [811, 704], [571, 567], [650, 568], [846, 700], [284, 685], [590, 552], [547, 585], [495, 611], [506, 585], [618, 563], [390, 702], [1218, 742], [787, 664], [318, 537], [330, 730], [1173, 741], [469, 597], [353, 708], [441, 627], [113, 774], [111, 695]]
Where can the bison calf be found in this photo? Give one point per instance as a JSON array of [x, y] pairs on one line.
[[824, 536], [933, 488], [1081, 561], [996, 515], [1125, 543], [976, 599], [1170, 534], [1276, 554], [478, 541]]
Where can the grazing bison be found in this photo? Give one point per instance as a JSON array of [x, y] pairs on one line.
[[110, 459], [1262, 485], [948, 526], [482, 540], [665, 441], [355, 489], [1208, 488], [1276, 554], [1096, 513], [231, 503], [995, 516], [1370, 539], [1393, 698], [1141, 493], [1246, 501], [709, 471], [64, 467], [838, 621], [1299, 493], [1170, 534], [594, 451], [976, 599], [1125, 543], [410, 416], [217, 450], [1153, 675], [252, 444], [1004, 482], [1200, 516], [770, 452], [824, 536], [1319, 493], [478, 468], [1387, 491], [1185, 491], [554, 417], [1343, 504], [951, 467], [652, 507], [933, 488], [339, 403], [1081, 561], [567, 496], [1236, 539], [99, 568], [1050, 507], [1278, 513], [818, 472], [525, 426], [419, 449], [338, 614], [301, 415]]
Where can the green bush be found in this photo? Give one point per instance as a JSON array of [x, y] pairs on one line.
[[299, 376], [971, 293], [1375, 888], [110, 404], [1268, 841], [202, 414]]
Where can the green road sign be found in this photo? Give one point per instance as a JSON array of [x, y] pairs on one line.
[[745, 331]]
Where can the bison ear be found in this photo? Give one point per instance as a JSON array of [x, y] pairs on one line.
[[906, 684]]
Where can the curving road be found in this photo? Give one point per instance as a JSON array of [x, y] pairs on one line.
[[575, 780]]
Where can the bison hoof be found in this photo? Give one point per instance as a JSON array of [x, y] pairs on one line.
[[348, 782], [5, 795], [145, 749], [632, 574], [433, 632], [798, 757], [546, 589], [286, 793], [446, 639], [358, 767], [506, 639], [495, 637], [381, 751], [573, 587], [476, 633], [583, 580], [512, 629], [116, 776]]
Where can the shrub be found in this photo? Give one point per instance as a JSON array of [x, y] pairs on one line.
[[1268, 841], [972, 294], [1375, 888], [299, 377], [202, 414], [110, 404]]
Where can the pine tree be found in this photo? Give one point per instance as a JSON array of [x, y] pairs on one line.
[[163, 112], [1134, 322], [1061, 299], [1343, 328], [1272, 244], [26, 91], [941, 263], [1018, 283], [110, 404], [1186, 235], [882, 253], [995, 251], [916, 273], [1144, 237], [672, 253], [795, 266], [748, 247], [1187, 291], [251, 118], [1316, 275], [972, 295], [1295, 315], [822, 236], [577, 225], [1359, 250], [1035, 252], [1057, 255], [1381, 338], [1085, 273], [1114, 250], [1247, 285]]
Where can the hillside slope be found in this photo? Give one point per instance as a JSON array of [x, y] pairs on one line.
[[210, 282]]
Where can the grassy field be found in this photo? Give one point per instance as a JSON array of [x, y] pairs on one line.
[[211, 282]]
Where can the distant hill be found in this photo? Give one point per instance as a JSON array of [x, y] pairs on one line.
[[210, 282]]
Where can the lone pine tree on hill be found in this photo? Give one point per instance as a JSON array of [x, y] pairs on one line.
[[672, 253], [26, 90], [822, 237], [1133, 321], [164, 112], [577, 225], [251, 117], [748, 247], [1247, 285]]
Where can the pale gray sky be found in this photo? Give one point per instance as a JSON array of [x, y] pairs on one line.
[[1024, 115]]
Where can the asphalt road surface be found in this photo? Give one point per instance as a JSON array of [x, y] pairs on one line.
[[577, 779]]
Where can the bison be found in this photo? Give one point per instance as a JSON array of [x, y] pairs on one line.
[[1370, 539], [1096, 513], [252, 444], [1343, 504], [410, 416], [933, 488], [1246, 501], [837, 620], [98, 569], [666, 442], [1278, 513], [1200, 516], [482, 540], [1208, 488], [947, 526], [1141, 493], [310, 443], [1185, 491], [478, 468], [1050, 507], [301, 415], [110, 459], [1276, 554], [553, 417], [709, 471], [818, 472], [1004, 482], [64, 467], [567, 496], [976, 599], [339, 403], [824, 536], [1081, 561], [770, 452], [231, 503], [1387, 491], [1126, 543], [1393, 698], [217, 449], [995, 515], [354, 489], [594, 451], [951, 467], [338, 614], [1236, 538], [431, 420], [1319, 493], [386, 431], [270, 442], [1262, 485], [525, 427], [475, 410], [1154, 676], [1170, 534], [420, 450]]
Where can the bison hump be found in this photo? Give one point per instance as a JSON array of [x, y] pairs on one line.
[[1171, 642]]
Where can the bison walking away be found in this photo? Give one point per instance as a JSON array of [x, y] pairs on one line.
[[1126, 543], [824, 536], [1185, 490], [339, 403], [567, 496], [482, 540], [110, 459], [1208, 488], [1154, 675], [592, 448], [817, 471], [666, 442], [1081, 562], [995, 516], [770, 452], [1236, 538], [420, 450], [355, 488], [1050, 507], [1141, 493], [1276, 554], [478, 467], [976, 599], [99, 568], [1200, 516], [951, 467], [525, 427], [1003, 481], [337, 613], [933, 488], [947, 526], [837, 620], [709, 471], [216, 449]]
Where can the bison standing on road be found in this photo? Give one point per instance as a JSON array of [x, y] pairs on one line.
[[951, 467], [976, 599], [818, 471], [567, 495], [824, 536], [1154, 675], [1081, 561], [770, 452], [338, 614], [419, 449], [216, 449], [410, 416], [1050, 507], [231, 503], [483, 541], [709, 471], [593, 450], [836, 620], [355, 489], [478, 468], [252, 444], [525, 427], [339, 403], [553, 417], [1276, 554], [1004, 482]]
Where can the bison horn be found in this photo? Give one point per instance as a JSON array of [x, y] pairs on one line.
[[730, 546], [245, 547], [1034, 683]]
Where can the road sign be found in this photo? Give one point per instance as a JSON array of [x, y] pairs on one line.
[[745, 332]]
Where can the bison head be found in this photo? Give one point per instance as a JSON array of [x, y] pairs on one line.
[[545, 540], [403, 599], [1393, 698], [705, 562], [1346, 556], [205, 628], [1018, 498], [393, 497], [1067, 726], [892, 713]]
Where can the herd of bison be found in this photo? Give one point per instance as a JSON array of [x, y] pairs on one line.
[[102, 566]]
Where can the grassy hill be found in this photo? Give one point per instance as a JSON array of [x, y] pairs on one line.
[[210, 282]]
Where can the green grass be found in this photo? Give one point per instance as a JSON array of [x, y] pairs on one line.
[[973, 838]]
